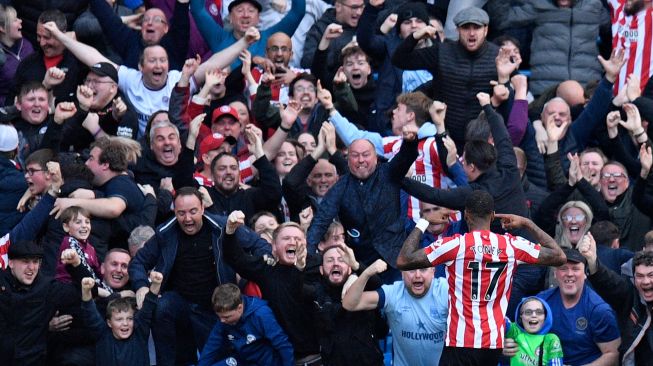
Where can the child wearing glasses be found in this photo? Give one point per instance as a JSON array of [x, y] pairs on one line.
[[530, 332]]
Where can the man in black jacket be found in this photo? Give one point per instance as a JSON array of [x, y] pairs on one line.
[[99, 96], [464, 67], [346, 338], [51, 53], [282, 284], [631, 301], [367, 201], [489, 168], [226, 193], [27, 303]]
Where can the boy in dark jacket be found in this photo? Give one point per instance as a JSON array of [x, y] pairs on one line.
[[123, 342], [247, 333]]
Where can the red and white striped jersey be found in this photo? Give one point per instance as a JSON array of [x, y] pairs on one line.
[[480, 269], [634, 34], [203, 180], [426, 168], [4, 251]]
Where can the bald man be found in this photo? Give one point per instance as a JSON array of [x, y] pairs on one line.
[[367, 202], [278, 52], [572, 92]]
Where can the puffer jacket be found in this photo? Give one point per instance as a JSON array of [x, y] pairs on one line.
[[564, 39]]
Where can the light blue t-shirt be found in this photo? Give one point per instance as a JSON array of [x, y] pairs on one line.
[[418, 325]]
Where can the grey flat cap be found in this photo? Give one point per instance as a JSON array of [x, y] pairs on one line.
[[471, 15]]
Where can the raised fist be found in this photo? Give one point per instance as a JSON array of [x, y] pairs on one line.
[[234, 221], [88, 283], [70, 256], [156, 277]]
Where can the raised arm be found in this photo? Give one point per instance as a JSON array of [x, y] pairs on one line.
[[550, 252], [121, 37], [356, 298], [598, 107], [401, 163], [88, 55], [412, 255], [347, 131], [226, 56], [408, 58], [212, 32], [290, 22]]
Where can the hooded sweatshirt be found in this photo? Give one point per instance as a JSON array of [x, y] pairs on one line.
[[542, 348]]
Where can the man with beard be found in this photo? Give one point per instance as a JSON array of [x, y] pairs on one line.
[[346, 338], [631, 28], [630, 300], [416, 308], [282, 283], [278, 53], [226, 193], [465, 65]]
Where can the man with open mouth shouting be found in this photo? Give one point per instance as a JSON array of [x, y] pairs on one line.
[[281, 280], [630, 300]]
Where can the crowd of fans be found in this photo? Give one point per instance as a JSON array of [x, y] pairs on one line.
[[274, 182]]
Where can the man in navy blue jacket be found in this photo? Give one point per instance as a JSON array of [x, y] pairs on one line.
[[188, 251], [367, 200]]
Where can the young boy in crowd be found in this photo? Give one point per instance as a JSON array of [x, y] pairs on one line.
[[124, 341], [246, 334], [530, 332], [77, 225]]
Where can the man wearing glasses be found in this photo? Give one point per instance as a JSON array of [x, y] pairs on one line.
[[101, 97], [345, 14], [627, 204], [154, 29]]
